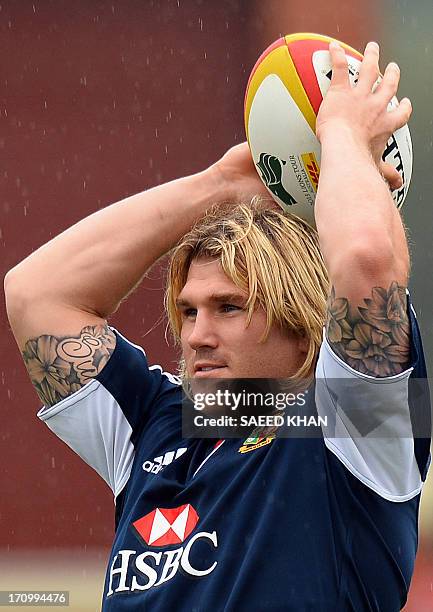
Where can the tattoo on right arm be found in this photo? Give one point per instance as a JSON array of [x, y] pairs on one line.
[[59, 366]]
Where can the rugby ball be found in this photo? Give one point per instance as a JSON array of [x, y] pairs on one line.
[[282, 99]]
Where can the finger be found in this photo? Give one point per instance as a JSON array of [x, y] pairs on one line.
[[369, 70], [388, 86], [391, 176], [399, 116], [340, 70]]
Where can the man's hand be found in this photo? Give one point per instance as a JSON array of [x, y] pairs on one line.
[[238, 176], [362, 110]]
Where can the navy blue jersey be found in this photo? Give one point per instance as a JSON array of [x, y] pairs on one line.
[[319, 524]]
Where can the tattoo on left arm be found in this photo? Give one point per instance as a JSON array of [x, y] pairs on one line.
[[373, 339]]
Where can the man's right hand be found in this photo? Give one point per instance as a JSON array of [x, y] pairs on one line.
[[239, 178]]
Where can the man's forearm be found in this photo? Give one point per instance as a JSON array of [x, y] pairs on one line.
[[93, 265], [359, 226]]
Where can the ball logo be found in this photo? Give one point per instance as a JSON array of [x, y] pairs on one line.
[[132, 571], [271, 170]]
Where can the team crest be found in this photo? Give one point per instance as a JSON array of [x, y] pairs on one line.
[[254, 443]]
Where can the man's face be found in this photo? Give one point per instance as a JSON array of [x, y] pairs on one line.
[[215, 340]]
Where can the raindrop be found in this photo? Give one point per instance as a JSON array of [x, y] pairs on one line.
[[53, 462]]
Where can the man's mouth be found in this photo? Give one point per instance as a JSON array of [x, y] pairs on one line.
[[207, 369]]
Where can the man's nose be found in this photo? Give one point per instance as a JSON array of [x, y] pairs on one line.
[[203, 333]]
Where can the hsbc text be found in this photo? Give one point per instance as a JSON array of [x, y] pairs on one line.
[[132, 572]]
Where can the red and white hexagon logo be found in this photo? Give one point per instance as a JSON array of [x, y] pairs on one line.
[[164, 526]]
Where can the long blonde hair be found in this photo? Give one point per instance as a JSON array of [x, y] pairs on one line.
[[273, 256]]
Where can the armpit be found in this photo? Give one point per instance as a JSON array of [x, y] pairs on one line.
[[60, 365], [374, 339]]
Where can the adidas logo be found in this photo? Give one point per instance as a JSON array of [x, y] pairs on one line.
[[160, 462]]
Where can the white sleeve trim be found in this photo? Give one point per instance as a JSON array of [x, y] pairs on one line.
[[92, 423], [371, 430], [367, 481], [47, 412]]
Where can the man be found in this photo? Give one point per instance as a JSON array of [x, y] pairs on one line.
[[301, 524]]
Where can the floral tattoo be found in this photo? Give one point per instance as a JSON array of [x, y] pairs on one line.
[[59, 366], [375, 340]]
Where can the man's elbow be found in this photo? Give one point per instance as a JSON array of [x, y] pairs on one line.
[[15, 295], [379, 263]]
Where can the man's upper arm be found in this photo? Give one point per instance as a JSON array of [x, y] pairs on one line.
[[60, 365], [63, 348], [373, 339]]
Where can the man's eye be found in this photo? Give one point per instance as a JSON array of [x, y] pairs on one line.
[[190, 312], [229, 307]]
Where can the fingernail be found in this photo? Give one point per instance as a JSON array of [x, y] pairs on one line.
[[394, 66], [373, 44], [335, 44]]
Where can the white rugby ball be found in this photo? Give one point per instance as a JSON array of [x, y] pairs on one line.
[[282, 99]]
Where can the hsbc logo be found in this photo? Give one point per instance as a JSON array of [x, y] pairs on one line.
[[130, 571], [164, 526], [160, 462]]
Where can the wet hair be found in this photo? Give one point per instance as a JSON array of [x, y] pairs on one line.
[[273, 256]]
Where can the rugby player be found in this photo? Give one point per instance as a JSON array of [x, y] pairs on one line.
[[323, 524]]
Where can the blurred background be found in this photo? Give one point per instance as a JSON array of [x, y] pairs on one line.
[[100, 100]]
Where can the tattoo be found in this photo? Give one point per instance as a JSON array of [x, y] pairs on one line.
[[373, 339], [59, 366]]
